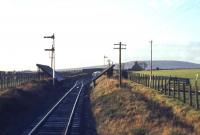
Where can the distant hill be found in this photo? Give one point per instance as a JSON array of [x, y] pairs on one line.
[[164, 64], [161, 64]]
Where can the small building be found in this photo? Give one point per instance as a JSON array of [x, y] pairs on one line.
[[136, 67]]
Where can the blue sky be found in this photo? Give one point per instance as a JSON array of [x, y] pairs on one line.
[[86, 31]]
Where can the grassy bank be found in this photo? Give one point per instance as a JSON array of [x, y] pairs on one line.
[[137, 110], [21, 105]]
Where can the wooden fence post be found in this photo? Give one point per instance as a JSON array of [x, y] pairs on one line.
[[3, 81], [169, 88], [158, 83], [145, 80], [6, 81], [190, 95], [162, 84], [141, 79], [165, 86], [0, 80], [174, 88], [184, 98], [196, 95], [153, 81], [178, 89]]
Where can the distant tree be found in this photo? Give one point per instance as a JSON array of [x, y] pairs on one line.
[[137, 67], [157, 68]]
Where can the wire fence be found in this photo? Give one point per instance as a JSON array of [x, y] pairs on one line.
[[177, 88], [13, 79]]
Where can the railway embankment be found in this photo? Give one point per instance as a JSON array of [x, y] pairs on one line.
[[138, 110]]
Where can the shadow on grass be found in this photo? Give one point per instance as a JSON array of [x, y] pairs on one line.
[[114, 106], [163, 113], [88, 122]]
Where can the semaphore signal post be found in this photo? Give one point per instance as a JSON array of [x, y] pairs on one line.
[[52, 50]]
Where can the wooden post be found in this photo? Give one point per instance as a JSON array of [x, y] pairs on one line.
[[6, 84], [3, 81], [155, 83], [169, 88], [20, 78], [143, 79], [190, 95], [139, 78], [121, 46], [162, 84], [184, 98], [146, 80], [153, 79], [12, 80], [120, 67], [165, 86], [196, 95], [178, 89], [0, 81], [174, 94], [158, 83]]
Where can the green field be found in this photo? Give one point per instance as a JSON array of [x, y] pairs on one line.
[[184, 73]]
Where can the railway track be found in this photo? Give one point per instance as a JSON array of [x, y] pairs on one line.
[[64, 118]]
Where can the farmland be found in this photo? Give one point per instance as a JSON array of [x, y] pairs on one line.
[[184, 73]]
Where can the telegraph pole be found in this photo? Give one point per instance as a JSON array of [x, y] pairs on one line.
[[151, 42], [52, 50], [120, 47]]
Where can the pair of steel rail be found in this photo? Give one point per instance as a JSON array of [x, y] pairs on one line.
[[58, 120]]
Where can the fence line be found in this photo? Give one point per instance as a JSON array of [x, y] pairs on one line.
[[177, 88], [13, 79]]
